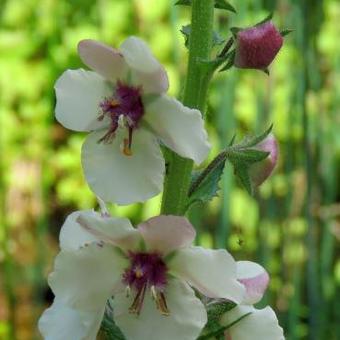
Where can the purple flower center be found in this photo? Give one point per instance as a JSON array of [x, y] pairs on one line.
[[124, 105], [147, 270]]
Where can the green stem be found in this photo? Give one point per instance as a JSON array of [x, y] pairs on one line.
[[179, 169]]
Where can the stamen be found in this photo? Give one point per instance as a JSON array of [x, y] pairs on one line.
[[161, 304], [127, 148], [137, 304], [127, 291]]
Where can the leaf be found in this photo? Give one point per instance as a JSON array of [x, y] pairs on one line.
[[204, 185], [186, 31], [111, 330], [241, 172], [223, 4]]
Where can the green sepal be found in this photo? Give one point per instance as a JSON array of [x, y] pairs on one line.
[[235, 30], [286, 31], [223, 4], [266, 19], [215, 310], [109, 328], [230, 61], [219, 332], [250, 141], [219, 4]]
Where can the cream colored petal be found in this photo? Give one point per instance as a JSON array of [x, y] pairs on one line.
[[212, 272], [185, 322], [122, 179], [60, 322], [179, 127], [145, 70], [85, 278], [78, 95]]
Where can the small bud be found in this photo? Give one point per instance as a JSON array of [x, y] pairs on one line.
[[260, 171], [256, 47]]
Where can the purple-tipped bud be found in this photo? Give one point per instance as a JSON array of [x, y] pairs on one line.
[[260, 171], [256, 47]]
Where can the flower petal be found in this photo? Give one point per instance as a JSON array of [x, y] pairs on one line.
[[212, 272], [186, 320], [105, 60], [60, 322], [73, 235], [179, 127], [117, 231], [255, 279], [167, 233], [79, 94], [146, 70], [86, 278], [123, 179], [261, 324]]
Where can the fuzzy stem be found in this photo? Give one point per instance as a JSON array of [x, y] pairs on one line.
[[179, 169]]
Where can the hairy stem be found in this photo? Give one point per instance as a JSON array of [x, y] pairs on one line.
[[179, 169]]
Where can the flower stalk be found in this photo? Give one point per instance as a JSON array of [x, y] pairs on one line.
[[178, 178]]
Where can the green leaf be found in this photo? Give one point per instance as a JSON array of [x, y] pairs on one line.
[[110, 329], [223, 4], [241, 172], [186, 30], [286, 32], [204, 185]]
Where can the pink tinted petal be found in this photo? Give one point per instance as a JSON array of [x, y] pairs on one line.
[[261, 324], [117, 231], [145, 69], [212, 272], [167, 233], [103, 59], [255, 279]]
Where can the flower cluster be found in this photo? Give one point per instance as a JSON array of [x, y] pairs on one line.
[[152, 275]]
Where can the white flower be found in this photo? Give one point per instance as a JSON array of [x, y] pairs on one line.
[[261, 323], [124, 107], [148, 270]]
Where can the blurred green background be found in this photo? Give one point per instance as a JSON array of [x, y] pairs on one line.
[[291, 226]]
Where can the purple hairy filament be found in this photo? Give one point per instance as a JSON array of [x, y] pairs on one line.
[[124, 105], [146, 271]]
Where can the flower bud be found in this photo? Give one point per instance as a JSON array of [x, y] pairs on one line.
[[260, 171], [256, 47]]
